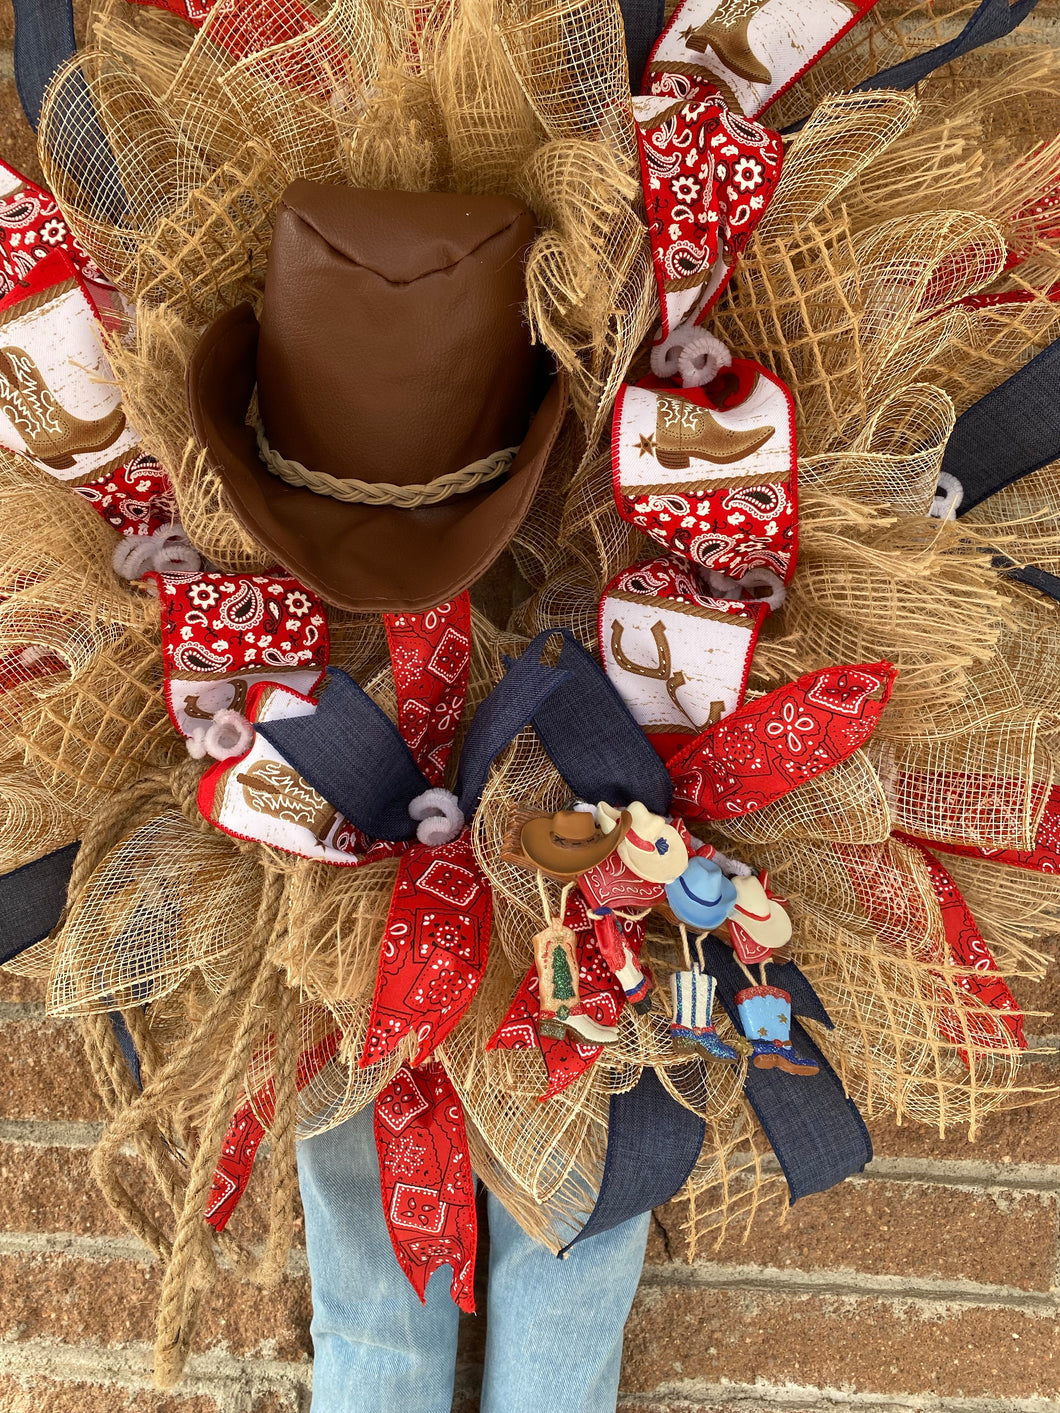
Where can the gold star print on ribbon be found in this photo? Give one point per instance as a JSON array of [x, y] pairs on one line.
[[726, 33]]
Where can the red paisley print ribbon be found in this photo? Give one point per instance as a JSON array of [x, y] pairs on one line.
[[708, 177], [767, 747], [428, 1187], [222, 634], [134, 499]]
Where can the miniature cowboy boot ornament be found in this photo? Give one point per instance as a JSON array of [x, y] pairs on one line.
[[51, 433], [556, 957], [765, 1014], [692, 1027]]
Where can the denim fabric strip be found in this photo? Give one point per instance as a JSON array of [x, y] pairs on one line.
[[816, 1132], [127, 1045], [32, 899], [352, 753], [1009, 433], [652, 1146], [593, 739], [44, 39], [992, 20], [508, 709], [643, 21]]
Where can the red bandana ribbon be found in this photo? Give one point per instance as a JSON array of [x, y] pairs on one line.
[[766, 748], [428, 1187]]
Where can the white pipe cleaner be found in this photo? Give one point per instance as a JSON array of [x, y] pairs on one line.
[[439, 815], [693, 355], [168, 551], [721, 586], [228, 734]]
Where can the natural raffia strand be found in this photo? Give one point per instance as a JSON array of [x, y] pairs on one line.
[[892, 206]]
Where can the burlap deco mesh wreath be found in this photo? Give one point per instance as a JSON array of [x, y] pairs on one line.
[[847, 291]]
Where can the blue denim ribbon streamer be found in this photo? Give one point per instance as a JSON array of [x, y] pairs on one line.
[[1012, 431], [643, 21], [992, 20], [816, 1132]]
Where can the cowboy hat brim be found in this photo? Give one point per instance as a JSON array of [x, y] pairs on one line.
[[567, 861], [375, 559]]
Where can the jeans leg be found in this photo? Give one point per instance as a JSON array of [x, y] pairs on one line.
[[554, 1328], [375, 1346]]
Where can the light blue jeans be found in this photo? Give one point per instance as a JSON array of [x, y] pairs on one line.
[[553, 1329]]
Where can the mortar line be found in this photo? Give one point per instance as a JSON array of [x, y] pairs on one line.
[[858, 1285]]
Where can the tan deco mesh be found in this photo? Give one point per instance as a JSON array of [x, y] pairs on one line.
[[892, 207]]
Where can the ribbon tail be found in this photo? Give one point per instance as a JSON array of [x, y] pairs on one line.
[[992, 20], [816, 1132], [428, 1199], [434, 949], [1007, 434], [653, 1143], [592, 737], [234, 1167]]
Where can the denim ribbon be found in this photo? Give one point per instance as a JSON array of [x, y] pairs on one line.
[[1012, 431], [32, 899], [352, 753], [992, 20], [643, 21], [816, 1132]]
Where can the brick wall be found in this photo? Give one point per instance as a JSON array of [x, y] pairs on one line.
[[927, 1284]]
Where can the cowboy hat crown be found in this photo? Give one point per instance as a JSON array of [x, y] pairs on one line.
[[397, 449]]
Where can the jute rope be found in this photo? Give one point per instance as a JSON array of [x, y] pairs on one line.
[[453, 483]]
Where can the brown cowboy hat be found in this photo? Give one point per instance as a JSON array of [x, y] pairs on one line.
[[392, 352], [567, 843]]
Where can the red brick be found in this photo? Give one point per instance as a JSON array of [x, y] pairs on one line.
[[52, 1190], [33, 1394], [21, 988], [44, 1073], [862, 1345], [897, 1229], [113, 1302]]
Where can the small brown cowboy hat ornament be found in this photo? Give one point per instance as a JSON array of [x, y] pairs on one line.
[[398, 447], [562, 845]]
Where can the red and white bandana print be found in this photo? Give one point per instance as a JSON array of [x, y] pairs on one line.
[[710, 473], [434, 949], [31, 228], [260, 796], [431, 657], [136, 499], [1043, 858], [222, 634], [767, 747], [428, 1187], [708, 177], [752, 50]]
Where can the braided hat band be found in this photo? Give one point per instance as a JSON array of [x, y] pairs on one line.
[[468, 478]]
